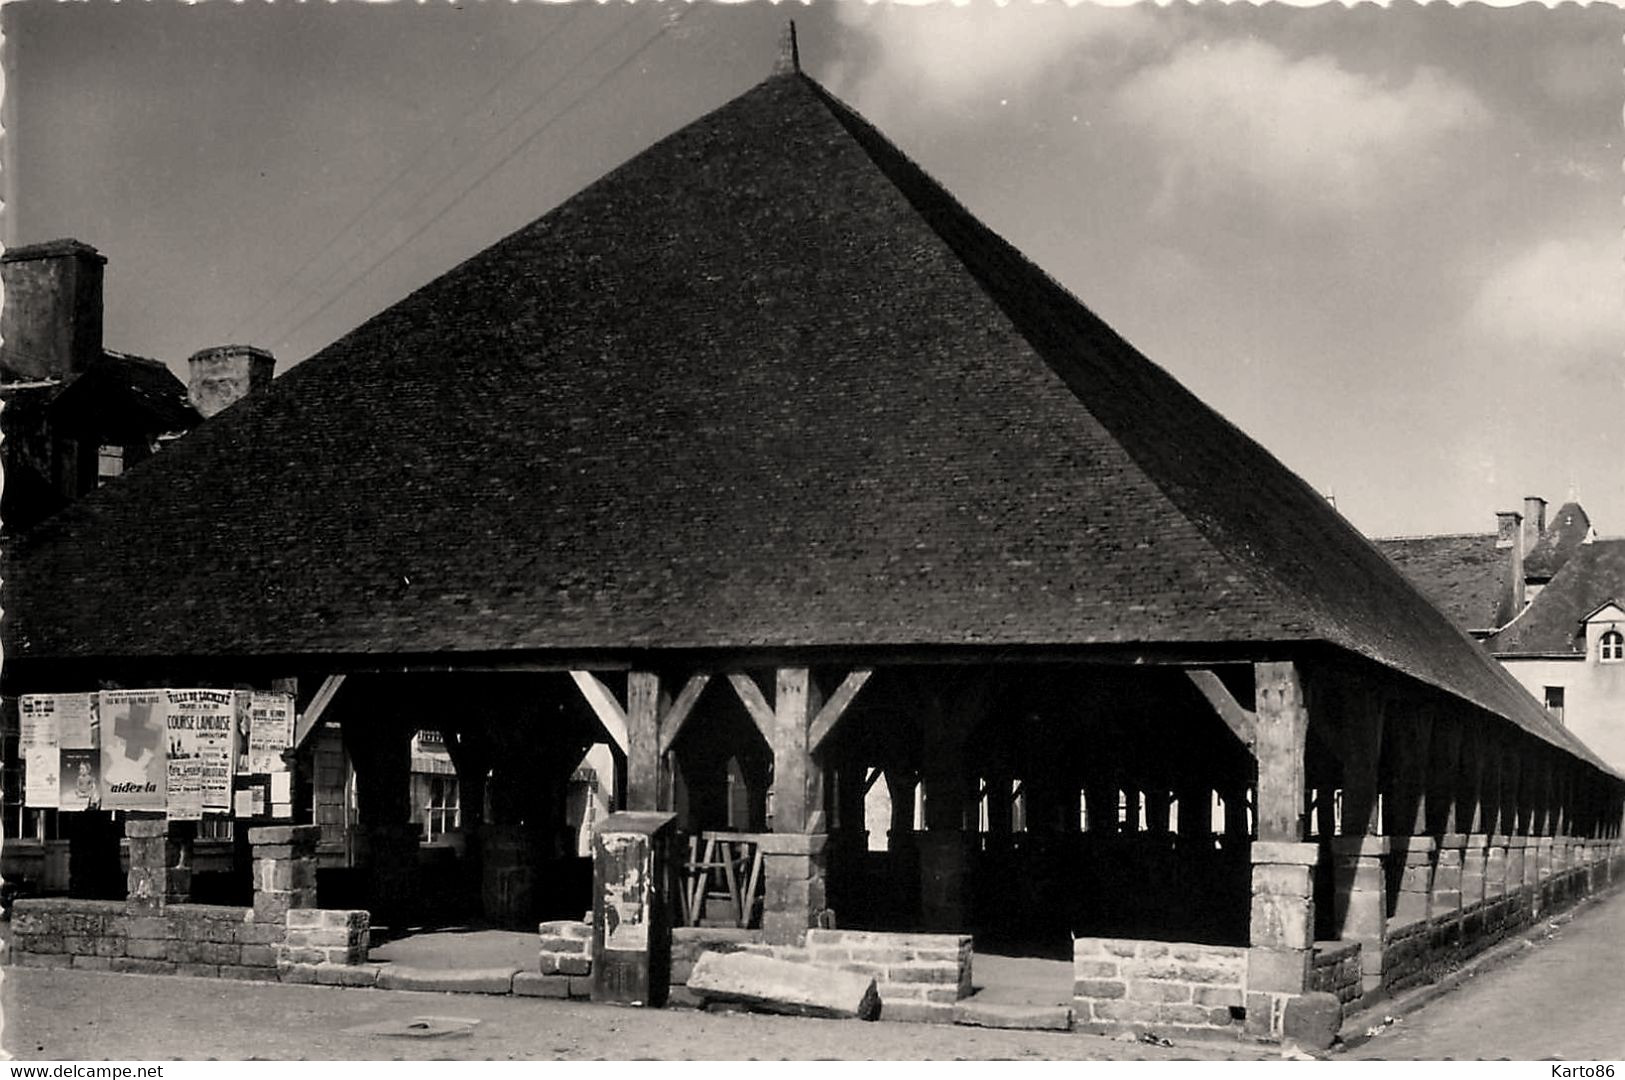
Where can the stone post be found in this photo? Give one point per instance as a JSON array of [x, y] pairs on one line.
[[1360, 899], [1282, 931], [160, 859], [1415, 855], [793, 866], [1560, 867], [284, 870], [1472, 870], [1495, 868], [1447, 876], [1517, 858]]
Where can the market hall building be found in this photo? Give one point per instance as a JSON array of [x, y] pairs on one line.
[[762, 459]]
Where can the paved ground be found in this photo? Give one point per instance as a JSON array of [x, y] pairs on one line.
[[1560, 998], [68, 1015]]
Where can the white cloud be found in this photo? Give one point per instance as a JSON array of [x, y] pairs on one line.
[[950, 56], [1241, 117], [1555, 304]]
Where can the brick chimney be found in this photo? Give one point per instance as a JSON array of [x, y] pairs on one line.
[[225, 374], [1534, 521], [52, 323], [1509, 537]]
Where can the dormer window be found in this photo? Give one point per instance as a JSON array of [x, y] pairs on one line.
[[1611, 647]]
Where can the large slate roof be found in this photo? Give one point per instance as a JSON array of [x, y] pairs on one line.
[[765, 385], [1464, 574], [1551, 625]]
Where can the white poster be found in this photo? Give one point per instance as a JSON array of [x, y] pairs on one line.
[[202, 725], [37, 742], [37, 721], [76, 721], [42, 784], [134, 748], [270, 731]]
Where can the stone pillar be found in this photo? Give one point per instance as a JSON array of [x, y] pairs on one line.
[[1415, 855], [1472, 870], [284, 870], [1282, 931], [1447, 876], [160, 859], [1361, 901], [793, 867], [1495, 868]]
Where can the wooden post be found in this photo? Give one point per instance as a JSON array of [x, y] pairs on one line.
[[798, 782], [1282, 727], [645, 701]]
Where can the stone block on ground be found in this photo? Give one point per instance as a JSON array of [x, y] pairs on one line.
[[471, 981], [992, 1014], [535, 984], [1310, 1021], [762, 982]]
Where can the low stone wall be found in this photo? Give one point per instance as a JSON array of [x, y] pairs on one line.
[[920, 977], [1407, 955], [1336, 970], [1127, 985], [184, 939]]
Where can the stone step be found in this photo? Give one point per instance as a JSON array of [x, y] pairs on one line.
[[995, 1014]]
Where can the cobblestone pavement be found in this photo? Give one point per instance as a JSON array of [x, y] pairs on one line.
[[1562, 997], [74, 1015]]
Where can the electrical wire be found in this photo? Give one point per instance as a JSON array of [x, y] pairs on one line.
[[348, 228], [486, 174]]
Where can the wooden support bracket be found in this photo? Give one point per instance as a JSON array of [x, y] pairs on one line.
[[1242, 722], [672, 723], [761, 713], [835, 708], [604, 706], [311, 719]]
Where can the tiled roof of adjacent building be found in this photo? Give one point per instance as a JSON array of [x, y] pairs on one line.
[[1551, 624], [1464, 574], [767, 385]]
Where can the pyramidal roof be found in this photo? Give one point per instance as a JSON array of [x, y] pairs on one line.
[[765, 385]]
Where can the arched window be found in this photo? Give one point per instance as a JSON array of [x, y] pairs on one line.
[[1611, 646]]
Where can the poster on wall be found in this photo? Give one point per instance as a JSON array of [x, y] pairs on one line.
[[134, 749], [243, 734], [270, 731], [76, 721], [37, 743], [81, 780], [201, 725], [42, 786]]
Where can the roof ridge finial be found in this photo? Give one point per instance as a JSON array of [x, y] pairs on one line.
[[789, 58]]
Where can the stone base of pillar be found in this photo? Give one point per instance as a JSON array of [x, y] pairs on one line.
[[1472, 870], [1282, 931], [284, 870], [1446, 894], [1360, 900], [793, 897], [1495, 867], [944, 888], [1415, 856], [160, 860]]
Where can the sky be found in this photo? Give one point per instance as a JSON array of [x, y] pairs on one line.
[[1384, 242]]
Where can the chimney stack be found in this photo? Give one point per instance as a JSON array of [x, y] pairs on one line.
[[1534, 521], [1509, 535], [225, 374], [52, 324]]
